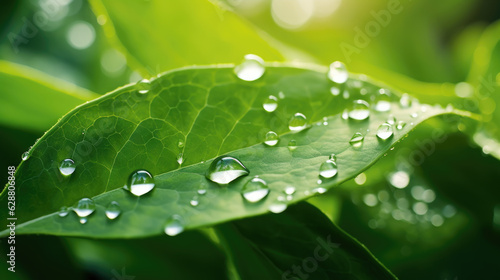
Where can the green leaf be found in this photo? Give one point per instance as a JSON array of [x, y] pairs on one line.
[[300, 243], [31, 100], [163, 35], [212, 113]]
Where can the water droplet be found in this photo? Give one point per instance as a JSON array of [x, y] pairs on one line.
[[67, 167], [399, 179], [174, 225], [270, 104], [345, 114], [328, 169], [84, 207], [391, 120], [325, 121], [143, 86], [292, 145], [289, 190], [63, 212], [414, 115], [226, 169], [194, 202], [405, 101], [277, 207], [359, 110], [25, 156], [281, 95], [383, 101], [338, 72], [140, 182], [180, 144], [319, 190], [83, 221], [335, 91], [251, 69], [333, 157], [180, 158], [113, 210], [255, 190], [401, 125], [360, 179], [297, 123], [202, 191], [357, 140], [271, 138], [319, 182], [385, 131]]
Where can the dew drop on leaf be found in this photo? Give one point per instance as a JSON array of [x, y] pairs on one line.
[[140, 182], [194, 202], [180, 158], [333, 158], [401, 125], [63, 212], [67, 167], [405, 101], [251, 69], [84, 207], [345, 114], [337, 72], [180, 144], [292, 145], [202, 191], [25, 156], [226, 169], [270, 104], [174, 225], [143, 86], [255, 190], [289, 190], [298, 122], [113, 210], [383, 101], [277, 207], [328, 169], [357, 140], [271, 138], [414, 115], [319, 190], [391, 120], [83, 220], [385, 131], [360, 110]]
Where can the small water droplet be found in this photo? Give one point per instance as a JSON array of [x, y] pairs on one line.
[[174, 225], [202, 191], [67, 167], [270, 104], [325, 121], [180, 158], [63, 212], [277, 207], [335, 91], [405, 101], [346, 94], [333, 157], [360, 110], [226, 169], [345, 114], [292, 145], [297, 123], [391, 120], [180, 144], [84, 207], [194, 202], [385, 131], [140, 182], [401, 125], [272, 138], [328, 169], [319, 190], [281, 95], [414, 115], [143, 86], [255, 190], [319, 182], [251, 69], [289, 190], [113, 210], [25, 156], [357, 140], [83, 220], [383, 101], [338, 72]]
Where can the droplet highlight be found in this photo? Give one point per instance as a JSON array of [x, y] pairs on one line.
[[337, 72], [140, 182], [360, 110], [84, 207], [251, 69], [272, 138], [328, 169], [67, 167], [270, 104], [298, 122], [143, 86], [113, 210], [174, 225], [385, 131], [255, 190], [357, 140], [226, 169]]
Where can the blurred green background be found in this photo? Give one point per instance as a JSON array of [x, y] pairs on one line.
[[423, 47]]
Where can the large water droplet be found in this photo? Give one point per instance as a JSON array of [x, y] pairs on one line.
[[360, 110], [297, 123], [270, 104], [67, 167], [383, 101], [255, 190], [25, 156], [271, 138], [385, 131], [338, 72], [63, 212], [113, 210], [405, 100], [292, 145], [226, 169], [174, 225], [277, 207], [140, 182], [357, 140], [84, 207], [143, 86], [251, 69], [328, 169]]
